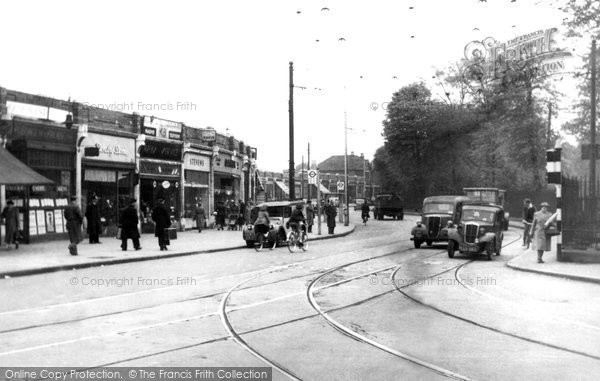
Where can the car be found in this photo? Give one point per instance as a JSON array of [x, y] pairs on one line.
[[279, 214], [480, 230], [438, 212]]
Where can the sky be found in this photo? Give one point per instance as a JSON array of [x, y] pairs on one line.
[[225, 64]]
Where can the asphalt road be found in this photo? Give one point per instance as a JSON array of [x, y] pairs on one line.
[[366, 306]]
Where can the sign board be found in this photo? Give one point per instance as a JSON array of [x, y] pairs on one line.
[[209, 135], [312, 176], [111, 148], [340, 185], [161, 128], [197, 162]]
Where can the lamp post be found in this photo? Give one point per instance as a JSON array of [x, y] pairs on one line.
[[292, 195], [346, 209], [82, 133], [140, 141]]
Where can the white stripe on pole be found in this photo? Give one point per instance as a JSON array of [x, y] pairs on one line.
[[558, 190]]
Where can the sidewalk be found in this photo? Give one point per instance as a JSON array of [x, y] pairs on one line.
[[54, 256]]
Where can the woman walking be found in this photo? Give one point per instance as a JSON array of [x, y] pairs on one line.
[[541, 220], [10, 214]]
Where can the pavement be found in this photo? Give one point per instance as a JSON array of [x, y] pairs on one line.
[[52, 256]]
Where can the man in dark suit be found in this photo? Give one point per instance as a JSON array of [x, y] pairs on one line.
[[129, 227], [92, 214], [162, 220]]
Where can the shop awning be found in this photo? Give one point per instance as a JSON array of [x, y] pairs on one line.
[[323, 189], [283, 187], [14, 171]]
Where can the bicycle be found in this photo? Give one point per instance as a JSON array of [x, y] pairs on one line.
[[365, 218], [262, 239], [297, 237]]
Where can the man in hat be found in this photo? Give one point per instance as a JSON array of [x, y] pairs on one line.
[[92, 213], [10, 215], [74, 219], [162, 220], [129, 227]]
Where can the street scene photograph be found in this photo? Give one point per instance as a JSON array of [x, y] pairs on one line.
[[299, 190]]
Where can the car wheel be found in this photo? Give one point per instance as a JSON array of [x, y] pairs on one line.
[[451, 249], [499, 248], [429, 242], [417, 243], [401, 217], [249, 243], [489, 250]]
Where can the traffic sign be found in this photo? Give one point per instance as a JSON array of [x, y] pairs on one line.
[[312, 176], [340, 185]]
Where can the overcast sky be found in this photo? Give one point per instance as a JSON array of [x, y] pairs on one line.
[[225, 63]]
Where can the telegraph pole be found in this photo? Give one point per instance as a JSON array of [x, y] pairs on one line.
[[593, 157], [548, 143], [292, 194], [346, 210], [309, 170], [302, 180]]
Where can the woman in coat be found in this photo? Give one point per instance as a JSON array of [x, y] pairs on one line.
[[199, 217], [310, 216], [74, 219], [10, 214], [162, 220], [129, 227], [331, 213], [541, 220]]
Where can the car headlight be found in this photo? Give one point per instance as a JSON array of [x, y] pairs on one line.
[[270, 226], [249, 227], [481, 231]]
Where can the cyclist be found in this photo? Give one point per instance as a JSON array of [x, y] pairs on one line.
[[296, 217], [365, 212], [261, 225]]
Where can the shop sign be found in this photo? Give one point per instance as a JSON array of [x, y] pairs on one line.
[[112, 148], [197, 162], [162, 128], [161, 150], [27, 110], [47, 134], [162, 169], [209, 135], [227, 164]]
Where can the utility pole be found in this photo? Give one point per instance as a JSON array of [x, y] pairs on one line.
[[593, 155], [292, 194], [549, 137], [302, 180], [309, 170], [346, 211]]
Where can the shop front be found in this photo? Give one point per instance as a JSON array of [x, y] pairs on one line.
[[110, 176], [160, 176], [196, 184], [41, 210], [227, 172]]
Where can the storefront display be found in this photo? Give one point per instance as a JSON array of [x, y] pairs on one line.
[[227, 177], [197, 172], [40, 210]]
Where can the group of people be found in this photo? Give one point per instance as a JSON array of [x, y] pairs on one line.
[[535, 224]]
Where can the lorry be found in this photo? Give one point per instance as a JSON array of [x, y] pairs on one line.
[[388, 204]]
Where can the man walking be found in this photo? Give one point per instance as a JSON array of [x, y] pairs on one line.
[[199, 216], [528, 213], [162, 220], [331, 213], [92, 214], [10, 214], [129, 227], [74, 219]]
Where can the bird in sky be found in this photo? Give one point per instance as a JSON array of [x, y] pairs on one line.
[[298, 12], [324, 9], [475, 28], [341, 39]]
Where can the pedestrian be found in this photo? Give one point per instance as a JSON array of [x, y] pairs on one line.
[[331, 213], [162, 221], [221, 213], [242, 208], [528, 213], [74, 219], [199, 216], [94, 225], [10, 216], [541, 220], [129, 226], [310, 216]]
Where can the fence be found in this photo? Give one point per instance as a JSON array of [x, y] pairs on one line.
[[580, 217]]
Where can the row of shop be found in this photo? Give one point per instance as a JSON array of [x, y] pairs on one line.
[[117, 157]]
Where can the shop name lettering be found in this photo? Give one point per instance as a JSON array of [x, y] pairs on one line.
[[230, 163], [164, 151], [197, 162], [47, 134], [112, 150]]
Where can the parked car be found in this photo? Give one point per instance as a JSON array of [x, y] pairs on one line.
[[480, 230], [437, 212], [388, 205], [279, 214]]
